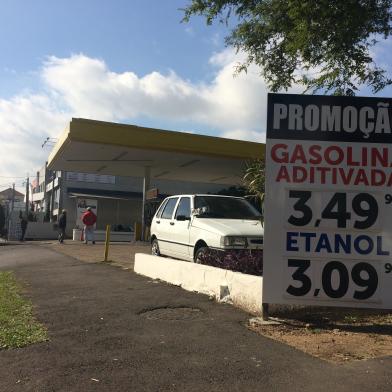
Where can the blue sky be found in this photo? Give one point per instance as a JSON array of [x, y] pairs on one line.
[[141, 35], [124, 61]]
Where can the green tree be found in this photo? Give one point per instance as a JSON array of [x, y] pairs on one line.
[[254, 181], [321, 44]]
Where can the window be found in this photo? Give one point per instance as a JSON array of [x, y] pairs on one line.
[[169, 208], [88, 177], [160, 209], [184, 207], [225, 208], [56, 198]]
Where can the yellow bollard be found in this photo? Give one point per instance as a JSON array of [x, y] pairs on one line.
[[138, 231], [147, 234], [107, 242]]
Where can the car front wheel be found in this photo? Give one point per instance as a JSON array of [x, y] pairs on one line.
[[201, 254], [155, 248]]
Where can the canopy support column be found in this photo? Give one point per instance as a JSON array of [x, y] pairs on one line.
[[146, 187]]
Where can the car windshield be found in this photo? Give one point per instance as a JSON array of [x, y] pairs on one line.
[[225, 208]]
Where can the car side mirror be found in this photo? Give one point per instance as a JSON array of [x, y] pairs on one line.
[[195, 212], [200, 211], [182, 218]]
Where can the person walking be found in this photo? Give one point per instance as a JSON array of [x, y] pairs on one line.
[[23, 226], [89, 219], [62, 226]]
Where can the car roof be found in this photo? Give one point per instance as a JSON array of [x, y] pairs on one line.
[[204, 194]]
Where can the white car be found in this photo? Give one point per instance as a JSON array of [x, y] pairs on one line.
[[187, 226]]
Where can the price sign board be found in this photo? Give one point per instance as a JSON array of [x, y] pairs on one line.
[[328, 207]]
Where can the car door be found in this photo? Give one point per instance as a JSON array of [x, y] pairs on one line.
[[166, 235], [156, 221], [181, 226]]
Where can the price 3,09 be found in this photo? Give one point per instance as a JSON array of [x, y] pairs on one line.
[[363, 274]]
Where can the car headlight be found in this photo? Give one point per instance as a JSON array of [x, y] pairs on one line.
[[230, 241]]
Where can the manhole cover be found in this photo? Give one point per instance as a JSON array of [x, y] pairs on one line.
[[172, 314]]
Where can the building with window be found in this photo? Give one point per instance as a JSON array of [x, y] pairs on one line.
[[117, 200], [7, 195], [113, 167]]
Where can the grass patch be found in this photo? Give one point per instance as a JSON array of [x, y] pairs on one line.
[[18, 326]]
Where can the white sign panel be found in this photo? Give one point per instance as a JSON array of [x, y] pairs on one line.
[[81, 208], [88, 177], [328, 207]]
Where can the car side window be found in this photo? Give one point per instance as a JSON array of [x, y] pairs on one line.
[[160, 209], [184, 207], [169, 208]]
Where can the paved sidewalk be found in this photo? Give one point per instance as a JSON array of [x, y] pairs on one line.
[[120, 253], [112, 330], [5, 242]]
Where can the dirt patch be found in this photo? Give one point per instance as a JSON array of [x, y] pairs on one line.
[[337, 335]]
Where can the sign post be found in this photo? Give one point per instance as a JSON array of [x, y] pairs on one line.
[[107, 243], [328, 207]]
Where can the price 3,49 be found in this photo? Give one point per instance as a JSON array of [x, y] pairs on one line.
[[363, 205]]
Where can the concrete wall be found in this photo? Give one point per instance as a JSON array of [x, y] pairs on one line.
[[100, 235], [124, 212], [110, 211], [40, 231], [244, 291]]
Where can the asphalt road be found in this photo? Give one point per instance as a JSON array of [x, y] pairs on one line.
[[104, 337]]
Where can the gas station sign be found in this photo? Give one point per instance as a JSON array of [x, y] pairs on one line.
[[328, 207]]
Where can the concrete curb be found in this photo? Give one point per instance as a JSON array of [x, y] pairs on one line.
[[242, 290]]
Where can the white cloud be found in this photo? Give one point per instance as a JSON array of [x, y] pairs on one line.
[[80, 86], [226, 57], [90, 89], [25, 121]]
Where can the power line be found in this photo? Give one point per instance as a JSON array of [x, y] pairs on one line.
[[49, 142], [13, 177], [9, 185]]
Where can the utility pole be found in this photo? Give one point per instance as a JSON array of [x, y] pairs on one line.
[[27, 197], [10, 212], [60, 180], [46, 201], [13, 197], [146, 187]]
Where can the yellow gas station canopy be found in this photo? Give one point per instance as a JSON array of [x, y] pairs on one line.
[[127, 150]]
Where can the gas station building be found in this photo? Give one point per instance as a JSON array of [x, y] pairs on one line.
[[139, 166]]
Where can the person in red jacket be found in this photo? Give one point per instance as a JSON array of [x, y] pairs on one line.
[[89, 219]]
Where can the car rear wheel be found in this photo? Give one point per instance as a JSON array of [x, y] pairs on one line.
[[155, 248], [201, 254]]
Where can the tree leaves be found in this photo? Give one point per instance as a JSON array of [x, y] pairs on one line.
[[322, 44], [254, 180]]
